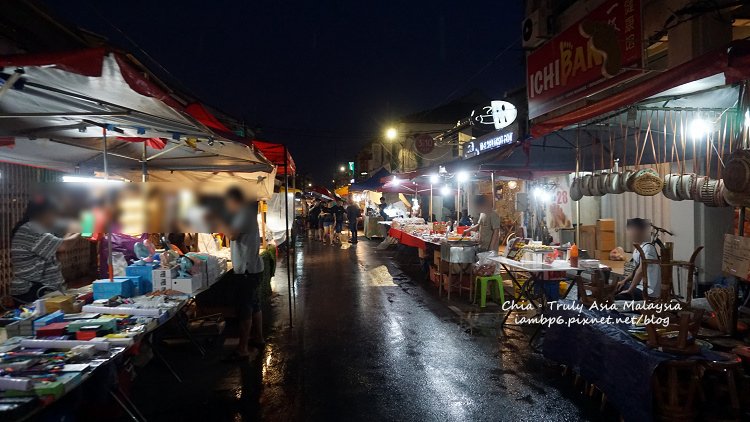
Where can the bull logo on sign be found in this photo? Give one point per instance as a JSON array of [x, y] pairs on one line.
[[500, 114]]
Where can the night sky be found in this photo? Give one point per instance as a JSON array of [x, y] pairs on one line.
[[321, 76]]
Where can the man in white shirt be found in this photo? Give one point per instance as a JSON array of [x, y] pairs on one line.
[[638, 230], [489, 225], [247, 268]]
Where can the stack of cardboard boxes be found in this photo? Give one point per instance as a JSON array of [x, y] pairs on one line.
[[605, 238]]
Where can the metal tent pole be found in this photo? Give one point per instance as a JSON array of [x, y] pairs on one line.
[[144, 164], [110, 269], [294, 213], [578, 203], [288, 240], [429, 217], [492, 188]]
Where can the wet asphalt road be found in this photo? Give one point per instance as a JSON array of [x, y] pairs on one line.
[[371, 342], [377, 344]]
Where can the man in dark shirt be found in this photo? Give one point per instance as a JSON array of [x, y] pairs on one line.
[[352, 214], [312, 218], [339, 212]]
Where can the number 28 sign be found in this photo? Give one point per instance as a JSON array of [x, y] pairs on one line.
[[559, 209]]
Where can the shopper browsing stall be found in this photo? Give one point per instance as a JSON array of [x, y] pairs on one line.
[[33, 250], [488, 225], [313, 220], [638, 231], [247, 269], [327, 218], [465, 219], [339, 213], [352, 214]]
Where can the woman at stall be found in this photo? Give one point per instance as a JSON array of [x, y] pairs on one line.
[[488, 225], [327, 217], [33, 252]]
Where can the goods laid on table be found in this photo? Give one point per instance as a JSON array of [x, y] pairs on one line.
[[47, 355], [52, 345], [402, 222]]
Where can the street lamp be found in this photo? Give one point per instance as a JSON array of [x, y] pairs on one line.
[[342, 169], [391, 134]]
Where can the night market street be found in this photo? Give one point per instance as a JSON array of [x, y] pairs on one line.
[[517, 210], [369, 343]]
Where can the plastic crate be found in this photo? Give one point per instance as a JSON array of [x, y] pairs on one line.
[[551, 289]]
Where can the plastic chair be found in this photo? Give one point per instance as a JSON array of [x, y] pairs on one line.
[[483, 282]]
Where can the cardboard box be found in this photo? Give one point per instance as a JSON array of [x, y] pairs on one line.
[[48, 319], [588, 238], [605, 241], [59, 303], [161, 278], [145, 272], [105, 289], [53, 330], [605, 225], [436, 258], [188, 285]]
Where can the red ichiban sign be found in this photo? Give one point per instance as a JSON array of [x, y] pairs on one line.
[[595, 53]]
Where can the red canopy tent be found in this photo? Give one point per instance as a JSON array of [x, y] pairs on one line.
[[398, 185], [279, 155]]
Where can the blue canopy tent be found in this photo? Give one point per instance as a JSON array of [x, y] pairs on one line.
[[373, 183]]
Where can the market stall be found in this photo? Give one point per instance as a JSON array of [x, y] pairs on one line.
[[100, 117], [667, 148]]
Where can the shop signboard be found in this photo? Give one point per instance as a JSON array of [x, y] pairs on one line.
[[559, 210], [424, 143], [602, 49], [491, 141], [736, 256], [499, 114]]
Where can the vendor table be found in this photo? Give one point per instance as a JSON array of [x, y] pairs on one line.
[[606, 355], [407, 239], [371, 227], [114, 358], [462, 255], [536, 272]]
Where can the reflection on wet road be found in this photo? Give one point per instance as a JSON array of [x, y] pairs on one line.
[[376, 345], [371, 341]]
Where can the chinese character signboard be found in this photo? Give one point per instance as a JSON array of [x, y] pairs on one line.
[[600, 50], [491, 141]]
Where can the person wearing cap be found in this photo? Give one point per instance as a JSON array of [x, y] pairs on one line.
[[638, 231]]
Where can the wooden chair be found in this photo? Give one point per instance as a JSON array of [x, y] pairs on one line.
[[675, 384], [667, 265], [720, 380], [598, 289], [689, 322]]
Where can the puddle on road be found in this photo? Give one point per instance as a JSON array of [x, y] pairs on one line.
[[379, 276]]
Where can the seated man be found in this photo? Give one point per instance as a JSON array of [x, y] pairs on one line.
[[638, 230]]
